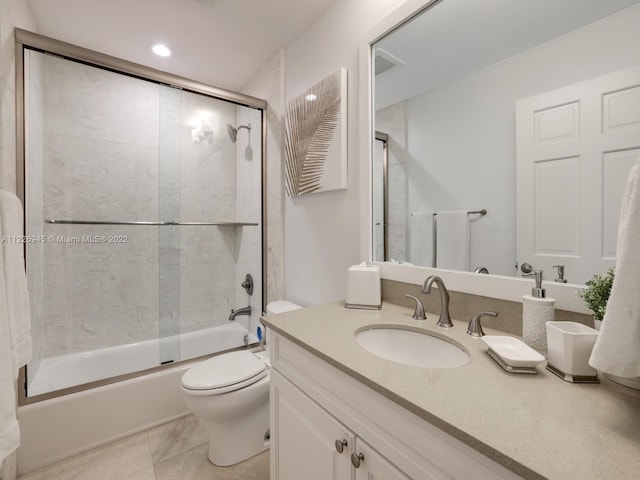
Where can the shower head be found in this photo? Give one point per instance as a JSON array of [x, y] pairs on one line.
[[233, 131]]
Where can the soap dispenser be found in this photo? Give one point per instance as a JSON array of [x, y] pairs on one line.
[[537, 310]]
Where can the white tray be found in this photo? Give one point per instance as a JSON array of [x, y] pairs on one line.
[[513, 351]]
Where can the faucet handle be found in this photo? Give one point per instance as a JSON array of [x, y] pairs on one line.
[[248, 284], [418, 313], [475, 328], [526, 268], [528, 271], [560, 278]]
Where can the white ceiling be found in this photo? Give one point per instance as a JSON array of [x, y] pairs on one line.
[[457, 37], [218, 42]]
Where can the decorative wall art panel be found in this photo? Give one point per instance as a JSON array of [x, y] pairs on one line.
[[316, 137]]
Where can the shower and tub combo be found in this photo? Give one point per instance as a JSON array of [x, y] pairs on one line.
[[81, 368], [143, 239]]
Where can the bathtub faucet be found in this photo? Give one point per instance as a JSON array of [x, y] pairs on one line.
[[240, 311]]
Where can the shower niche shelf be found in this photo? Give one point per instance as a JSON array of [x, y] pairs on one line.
[[156, 224]]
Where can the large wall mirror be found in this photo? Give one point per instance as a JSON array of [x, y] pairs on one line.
[[510, 128]]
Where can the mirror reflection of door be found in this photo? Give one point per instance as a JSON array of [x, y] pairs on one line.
[[380, 187], [575, 147]]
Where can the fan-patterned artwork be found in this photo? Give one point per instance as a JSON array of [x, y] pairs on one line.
[[315, 138]]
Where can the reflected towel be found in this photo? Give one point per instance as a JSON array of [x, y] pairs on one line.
[[617, 350], [452, 240], [421, 239]]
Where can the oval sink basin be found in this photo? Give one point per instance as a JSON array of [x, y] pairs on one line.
[[411, 347]]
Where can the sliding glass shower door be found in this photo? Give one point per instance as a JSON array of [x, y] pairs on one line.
[[148, 215]]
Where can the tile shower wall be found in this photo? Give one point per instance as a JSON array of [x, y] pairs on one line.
[[109, 154], [248, 147], [100, 163], [268, 83], [208, 193]]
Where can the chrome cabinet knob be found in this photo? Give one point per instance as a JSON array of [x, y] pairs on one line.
[[340, 444], [356, 459]]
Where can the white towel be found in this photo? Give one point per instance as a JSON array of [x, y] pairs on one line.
[[452, 240], [617, 350], [15, 323], [9, 430], [421, 239], [17, 299]]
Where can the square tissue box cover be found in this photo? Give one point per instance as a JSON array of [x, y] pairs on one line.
[[363, 287]]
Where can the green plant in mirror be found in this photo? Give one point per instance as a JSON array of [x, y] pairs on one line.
[[597, 291]]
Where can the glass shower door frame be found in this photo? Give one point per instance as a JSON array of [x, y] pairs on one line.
[[28, 40]]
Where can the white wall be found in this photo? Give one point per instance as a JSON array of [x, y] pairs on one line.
[[469, 126], [322, 231]]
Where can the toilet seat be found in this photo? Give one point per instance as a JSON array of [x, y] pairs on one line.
[[224, 373]]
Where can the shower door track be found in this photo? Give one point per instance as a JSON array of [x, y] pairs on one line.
[[157, 224]]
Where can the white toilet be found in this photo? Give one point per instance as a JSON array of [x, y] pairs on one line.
[[231, 392]]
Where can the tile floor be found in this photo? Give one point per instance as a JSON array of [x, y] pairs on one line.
[[174, 451]]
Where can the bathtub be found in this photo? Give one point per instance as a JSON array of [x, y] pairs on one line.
[[72, 369], [57, 428]]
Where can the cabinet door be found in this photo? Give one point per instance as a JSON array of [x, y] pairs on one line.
[[304, 437], [373, 466]]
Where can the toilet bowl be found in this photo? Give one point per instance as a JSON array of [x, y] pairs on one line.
[[231, 392]]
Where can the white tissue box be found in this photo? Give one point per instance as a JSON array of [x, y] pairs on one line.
[[363, 287]]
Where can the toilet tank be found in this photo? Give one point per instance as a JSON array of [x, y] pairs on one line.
[[281, 306], [277, 306]]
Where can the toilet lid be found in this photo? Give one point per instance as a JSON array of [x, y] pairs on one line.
[[225, 370]]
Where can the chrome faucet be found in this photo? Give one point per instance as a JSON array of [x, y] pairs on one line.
[[240, 311], [445, 318]]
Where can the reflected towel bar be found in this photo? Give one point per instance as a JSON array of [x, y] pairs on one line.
[[160, 224]]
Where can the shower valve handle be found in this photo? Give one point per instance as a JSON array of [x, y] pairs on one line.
[[248, 284]]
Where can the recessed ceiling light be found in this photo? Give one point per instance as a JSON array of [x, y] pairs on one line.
[[311, 97], [161, 50]]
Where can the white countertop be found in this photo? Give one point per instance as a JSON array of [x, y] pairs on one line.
[[539, 426]]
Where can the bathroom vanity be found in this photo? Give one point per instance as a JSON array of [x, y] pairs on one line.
[[338, 410]]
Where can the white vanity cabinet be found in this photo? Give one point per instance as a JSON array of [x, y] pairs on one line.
[[308, 443], [316, 409], [303, 437]]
